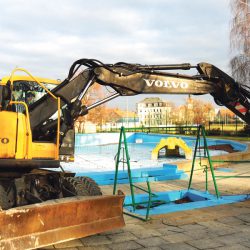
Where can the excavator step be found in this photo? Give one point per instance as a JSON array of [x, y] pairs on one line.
[[56, 221]]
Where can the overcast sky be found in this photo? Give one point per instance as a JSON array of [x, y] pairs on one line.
[[46, 37]]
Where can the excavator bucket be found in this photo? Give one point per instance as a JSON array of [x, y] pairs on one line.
[[55, 221]]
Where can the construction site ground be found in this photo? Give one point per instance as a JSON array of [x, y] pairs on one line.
[[218, 227]]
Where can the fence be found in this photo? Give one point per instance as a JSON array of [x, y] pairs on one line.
[[212, 128], [222, 128]]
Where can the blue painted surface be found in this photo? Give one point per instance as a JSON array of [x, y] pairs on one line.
[[96, 152], [199, 200], [149, 138], [167, 172]]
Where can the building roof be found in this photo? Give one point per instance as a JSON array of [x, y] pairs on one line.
[[151, 100]]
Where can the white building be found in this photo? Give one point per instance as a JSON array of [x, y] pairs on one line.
[[154, 112]]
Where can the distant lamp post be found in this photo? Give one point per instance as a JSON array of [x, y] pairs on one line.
[[236, 125], [127, 110], [166, 117]]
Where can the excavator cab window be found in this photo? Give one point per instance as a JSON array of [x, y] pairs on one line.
[[28, 92]]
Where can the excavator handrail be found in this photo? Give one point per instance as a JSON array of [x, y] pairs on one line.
[[27, 110], [29, 134], [32, 77]]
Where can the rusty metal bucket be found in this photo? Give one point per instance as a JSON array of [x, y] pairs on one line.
[[55, 221]]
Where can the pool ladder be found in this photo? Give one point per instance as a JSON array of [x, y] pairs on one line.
[[201, 134], [126, 160]]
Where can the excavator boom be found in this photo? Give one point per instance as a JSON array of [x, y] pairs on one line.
[[133, 79]]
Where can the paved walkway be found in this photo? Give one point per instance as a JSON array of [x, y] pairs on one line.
[[220, 227]]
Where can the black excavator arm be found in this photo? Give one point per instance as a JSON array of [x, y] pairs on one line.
[[132, 79], [228, 92]]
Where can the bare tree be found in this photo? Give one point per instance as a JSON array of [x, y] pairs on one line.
[[96, 115], [240, 40]]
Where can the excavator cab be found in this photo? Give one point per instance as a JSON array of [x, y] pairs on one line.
[[16, 124], [24, 92]]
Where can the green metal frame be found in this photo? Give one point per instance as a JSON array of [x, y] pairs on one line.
[[123, 139], [198, 153], [231, 161], [134, 204], [201, 134]]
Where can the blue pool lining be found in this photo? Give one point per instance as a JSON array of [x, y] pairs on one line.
[[200, 199]]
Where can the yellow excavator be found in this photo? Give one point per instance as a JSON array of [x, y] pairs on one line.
[[42, 206]]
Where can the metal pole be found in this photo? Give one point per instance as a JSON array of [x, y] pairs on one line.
[[149, 200], [91, 80], [117, 162], [236, 125], [194, 156], [129, 170], [206, 178], [102, 101]]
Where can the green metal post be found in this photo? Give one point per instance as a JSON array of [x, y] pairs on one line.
[[210, 161], [123, 140], [117, 162], [206, 178], [242, 161], [128, 164], [123, 162], [193, 162], [232, 176], [149, 200]]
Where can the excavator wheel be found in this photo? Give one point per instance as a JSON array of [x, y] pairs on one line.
[[7, 198], [92, 187], [83, 186]]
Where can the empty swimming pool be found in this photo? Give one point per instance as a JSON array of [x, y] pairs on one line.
[[96, 152]]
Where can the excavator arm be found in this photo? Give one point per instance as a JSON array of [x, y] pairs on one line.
[[133, 79], [154, 79], [228, 92]]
